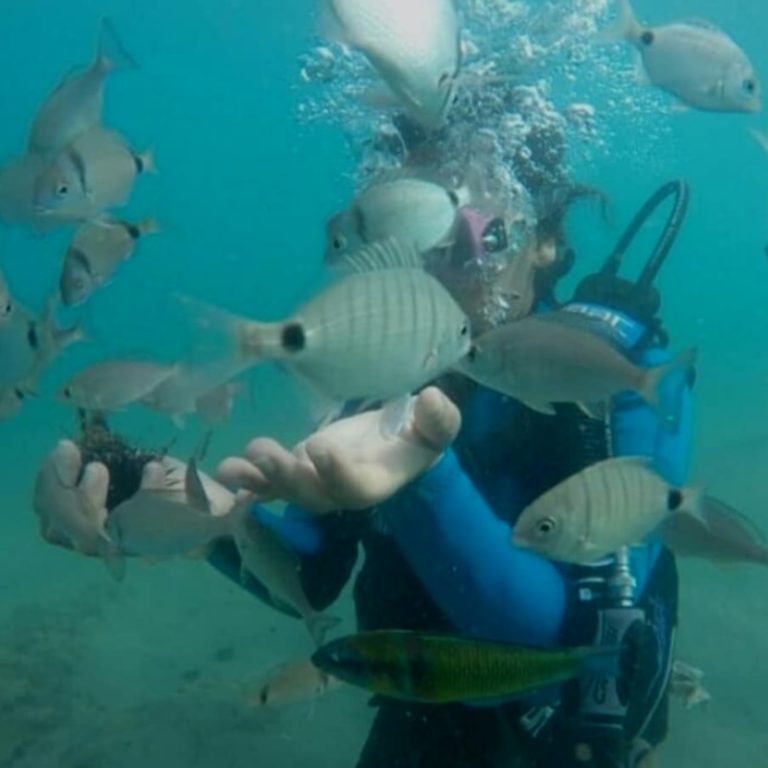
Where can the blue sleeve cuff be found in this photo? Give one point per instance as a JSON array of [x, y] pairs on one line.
[[296, 528]]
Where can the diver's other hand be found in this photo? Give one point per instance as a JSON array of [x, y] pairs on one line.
[[354, 463], [70, 501]]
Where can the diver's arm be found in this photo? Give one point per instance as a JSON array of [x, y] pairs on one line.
[[464, 556], [326, 546]]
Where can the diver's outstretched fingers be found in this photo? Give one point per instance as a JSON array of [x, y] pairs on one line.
[[436, 419], [237, 473], [289, 477], [347, 484]]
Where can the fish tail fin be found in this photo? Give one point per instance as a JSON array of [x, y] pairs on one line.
[[694, 504], [760, 137], [720, 515], [148, 226], [146, 163], [625, 26], [654, 378], [601, 660], [112, 54], [246, 338], [319, 624], [114, 562]]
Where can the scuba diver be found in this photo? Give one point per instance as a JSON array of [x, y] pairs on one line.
[[446, 492], [439, 559]]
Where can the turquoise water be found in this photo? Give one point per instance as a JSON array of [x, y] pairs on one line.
[[153, 671]]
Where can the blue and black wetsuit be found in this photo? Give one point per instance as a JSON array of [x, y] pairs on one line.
[[444, 562]]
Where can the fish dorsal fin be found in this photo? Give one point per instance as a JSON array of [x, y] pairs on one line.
[[385, 254], [696, 21], [193, 485]]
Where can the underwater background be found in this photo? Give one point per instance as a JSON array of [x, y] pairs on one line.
[[156, 671]]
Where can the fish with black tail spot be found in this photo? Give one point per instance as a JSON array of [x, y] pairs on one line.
[[596, 512]]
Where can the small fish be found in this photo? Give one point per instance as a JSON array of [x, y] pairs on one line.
[[277, 569], [686, 684], [202, 388], [695, 62], [544, 360], [165, 520], [293, 683], [409, 210], [439, 669], [96, 251], [17, 192], [720, 534], [375, 335], [94, 173], [70, 501], [28, 344], [414, 46], [111, 385], [77, 104], [12, 400], [7, 303], [596, 512]]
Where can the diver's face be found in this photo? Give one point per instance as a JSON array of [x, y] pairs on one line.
[[517, 281]]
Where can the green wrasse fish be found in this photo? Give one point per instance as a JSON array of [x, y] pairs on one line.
[[439, 669]]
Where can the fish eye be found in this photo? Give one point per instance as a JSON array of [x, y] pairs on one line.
[[749, 86], [339, 242], [464, 330], [8, 308], [546, 526], [62, 190], [67, 392]]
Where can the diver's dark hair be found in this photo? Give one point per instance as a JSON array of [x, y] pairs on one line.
[[551, 212]]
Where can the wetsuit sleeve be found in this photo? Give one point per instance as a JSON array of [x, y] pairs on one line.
[[326, 546], [463, 555]]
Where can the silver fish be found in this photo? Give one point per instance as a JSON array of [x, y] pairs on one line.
[[157, 522], [115, 384], [594, 513], [277, 569], [95, 172], [543, 360], [410, 210], [12, 400], [378, 334], [28, 344], [202, 388], [70, 502], [17, 192], [7, 303], [414, 46], [293, 683], [96, 251], [721, 534], [77, 104], [695, 62]]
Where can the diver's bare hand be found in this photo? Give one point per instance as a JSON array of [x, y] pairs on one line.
[[70, 501], [353, 463]]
